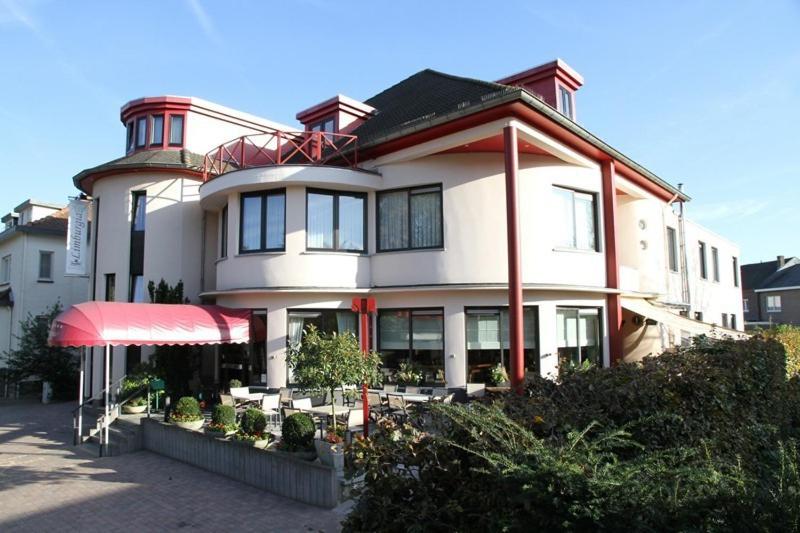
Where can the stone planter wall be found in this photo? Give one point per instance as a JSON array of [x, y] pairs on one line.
[[304, 481]]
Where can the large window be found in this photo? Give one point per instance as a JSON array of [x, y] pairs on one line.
[[415, 336], [701, 251], [715, 263], [5, 269], [735, 271], [575, 225], [488, 341], [672, 248], [745, 305], [579, 337], [774, 304], [45, 265], [139, 210], [176, 130], [565, 100], [326, 125], [336, 221], [263, 222], [156, 130], [141, 131], [410, 219], [223, 232]]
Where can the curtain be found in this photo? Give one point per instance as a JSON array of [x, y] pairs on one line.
[[251, 223], [176, 129], [567, 328], [427, 331], [589, 327], [426, 219], [276, 215], [351, 223], [483, 330], [393, 330], [393, 221], [585, 238], [157, 131], [563, 218], [320, 220], [528, 327], [295, 329], [346, 322]]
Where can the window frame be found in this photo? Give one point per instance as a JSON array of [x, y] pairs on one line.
[[263, 225], [570, 111], [130, 135], [135, 195], [735, 271], [715, 263], [746, 305], [139, 121], [774, 308], [601, 317], [5, 269], [332, 119], [595, 220], [409, 192], [336, 196], [50, 255], [172, 116], [534, 308], [702, 252], [110, 283], [672, 249], [152, 129], [410, 348]]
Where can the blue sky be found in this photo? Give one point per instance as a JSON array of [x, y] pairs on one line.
[[703, 93]]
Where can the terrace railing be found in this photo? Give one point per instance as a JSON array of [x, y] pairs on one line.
[[282, 148]]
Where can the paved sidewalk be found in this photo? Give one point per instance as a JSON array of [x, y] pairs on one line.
[[46, 484]]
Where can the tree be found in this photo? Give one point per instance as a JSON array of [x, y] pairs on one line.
[[175, 364], [35, 359], [325, 362]]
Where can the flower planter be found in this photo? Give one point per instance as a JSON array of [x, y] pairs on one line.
[[134, 409], [261, 443], [303, 455], [194, 425], [219, 434], [330, 454]]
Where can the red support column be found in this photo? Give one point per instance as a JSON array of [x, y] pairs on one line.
[[612, 264], [516, 336], [364, 307]]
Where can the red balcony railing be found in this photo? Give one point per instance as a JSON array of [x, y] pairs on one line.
[[282, 148]]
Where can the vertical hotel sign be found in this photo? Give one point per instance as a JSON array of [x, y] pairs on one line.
[[78, 238]]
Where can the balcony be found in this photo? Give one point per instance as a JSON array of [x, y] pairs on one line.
[[277, 148]]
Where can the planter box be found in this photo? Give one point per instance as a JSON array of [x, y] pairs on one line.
[[134, 409], [195, 425], [279, 473], [330, 454]]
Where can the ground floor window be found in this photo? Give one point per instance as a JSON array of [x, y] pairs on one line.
[[579, 338], [246, 362], [325, 320], [488, 341], [415, 336]]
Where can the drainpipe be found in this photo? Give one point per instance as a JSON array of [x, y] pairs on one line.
[[516, 335]]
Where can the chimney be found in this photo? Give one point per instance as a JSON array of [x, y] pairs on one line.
[[556, 82], [781, 262]]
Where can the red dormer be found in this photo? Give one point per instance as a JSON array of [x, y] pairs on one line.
[[339, 114], [157, 123], [556, 82]]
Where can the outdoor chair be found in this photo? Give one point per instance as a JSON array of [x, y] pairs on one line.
[[439, 392], [390, 387], [271, 406], [302, 403], [227, 399], [377, 406], [285, 395], [397, 407], [411, 389], [288, 411]]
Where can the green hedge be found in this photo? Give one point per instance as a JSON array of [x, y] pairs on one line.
[[700, 440], [297, 432]]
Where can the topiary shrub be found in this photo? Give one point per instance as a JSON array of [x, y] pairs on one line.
[[254, 422], [187, 409], [298, 432], [223, 418], [234, 384]]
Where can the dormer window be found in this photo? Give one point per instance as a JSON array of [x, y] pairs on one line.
[[176, 130], [156, 130], [327, 125], [141, 131], [565, 101]]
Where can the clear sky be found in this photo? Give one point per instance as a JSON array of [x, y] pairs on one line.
[[703, 93]]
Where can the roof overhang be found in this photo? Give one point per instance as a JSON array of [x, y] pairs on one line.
[[663, 315]]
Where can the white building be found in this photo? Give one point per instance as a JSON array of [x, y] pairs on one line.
[[403, 198], [32, 265]]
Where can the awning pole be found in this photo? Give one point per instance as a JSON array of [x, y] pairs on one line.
[[104, 448], [79, 427]]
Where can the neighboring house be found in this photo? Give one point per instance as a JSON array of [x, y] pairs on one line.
[[32, 264], [771, 292], [403, 198]]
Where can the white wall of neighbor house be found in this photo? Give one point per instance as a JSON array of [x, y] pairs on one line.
[[453, 303]]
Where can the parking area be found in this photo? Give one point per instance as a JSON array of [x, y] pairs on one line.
[[46, 484]]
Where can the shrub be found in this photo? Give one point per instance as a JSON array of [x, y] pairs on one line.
[[298, 432], [254, 422], [187, 409], [223, 415], [234, 383], [789, 337]]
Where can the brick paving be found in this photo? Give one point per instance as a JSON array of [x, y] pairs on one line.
[[46, 484]]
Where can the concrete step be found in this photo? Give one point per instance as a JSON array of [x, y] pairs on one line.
[[123, 437]]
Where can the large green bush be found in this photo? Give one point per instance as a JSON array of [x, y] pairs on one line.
[[696, 441], [223, 415], [297, 432], [187, 409], [789, 337], [254, 422]]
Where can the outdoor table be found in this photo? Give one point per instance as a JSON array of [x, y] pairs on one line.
[[410, 397], [325, 410]]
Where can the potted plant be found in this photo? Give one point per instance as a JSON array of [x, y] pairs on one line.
[[297, 436], [330, 449], [234, 384], [223, 421], [135, 406], [254, 422], [408, 374], [498, 376], [187, 414]]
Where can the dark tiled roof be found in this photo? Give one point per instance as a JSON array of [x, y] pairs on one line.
[[426, 95], [767, 276], [55, 224], [179, 159]]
